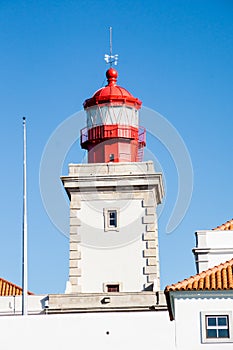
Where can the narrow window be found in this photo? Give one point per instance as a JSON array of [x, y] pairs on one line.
[[217, 326], [112, 218], [111, 157], [113, 288]]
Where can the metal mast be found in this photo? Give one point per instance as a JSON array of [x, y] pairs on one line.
[[25, 253], [111, 59]]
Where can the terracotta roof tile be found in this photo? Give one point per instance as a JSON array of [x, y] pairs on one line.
[[227, 226], [216, 278], [7, 288]]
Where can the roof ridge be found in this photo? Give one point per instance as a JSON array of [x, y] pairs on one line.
[[13, 289], [217, 282], [226, 226]]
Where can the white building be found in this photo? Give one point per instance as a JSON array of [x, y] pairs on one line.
[[201, 308], [213, 246]]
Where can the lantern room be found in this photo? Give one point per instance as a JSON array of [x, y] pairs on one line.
[[112, 132]]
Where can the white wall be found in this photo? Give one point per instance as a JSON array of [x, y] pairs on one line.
[[213, 248], [123, 262], [12, 305], [123, 265], [188, 319], [135, 330]]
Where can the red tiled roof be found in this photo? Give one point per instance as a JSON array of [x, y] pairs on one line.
[[7, 288], [227, 226], [216, 278], [219, 277]]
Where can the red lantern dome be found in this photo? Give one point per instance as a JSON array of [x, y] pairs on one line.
[[112, 93], [112, 132]]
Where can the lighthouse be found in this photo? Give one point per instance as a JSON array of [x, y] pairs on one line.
[[112, 133], [113, 199]]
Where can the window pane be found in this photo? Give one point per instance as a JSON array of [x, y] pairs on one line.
[[211, 333], [112, 221], [211, 321], [222, 321], [113, 288], [112, 218], [223, 333]]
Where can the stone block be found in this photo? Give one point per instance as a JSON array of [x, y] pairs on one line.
[[75, 238], [73, 213], [149, 253], [73, 230], [74, 263], [75, 203], [75, 222], [74, 246], [148, 219], [75, 254], [148, 201], [151, 278], [149, 236], [151, 227], [152, 244], [73, 281], [75, 272], [150, 211], [151, 261], [149, 270]]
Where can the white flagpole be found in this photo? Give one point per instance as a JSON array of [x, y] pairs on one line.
[[24, 260]]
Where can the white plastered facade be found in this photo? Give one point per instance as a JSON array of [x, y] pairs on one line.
[[212, 248], [128, 255], [190, 309]]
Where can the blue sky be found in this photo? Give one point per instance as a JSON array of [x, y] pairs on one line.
[[176, 56]]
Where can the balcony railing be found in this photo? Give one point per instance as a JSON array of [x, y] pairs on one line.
[[103, 132]]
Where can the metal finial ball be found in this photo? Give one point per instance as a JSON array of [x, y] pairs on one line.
[[112, 75]]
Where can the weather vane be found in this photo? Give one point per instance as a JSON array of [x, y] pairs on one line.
[[111, 59]]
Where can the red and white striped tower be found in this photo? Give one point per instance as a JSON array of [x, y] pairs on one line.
[[112, 133]]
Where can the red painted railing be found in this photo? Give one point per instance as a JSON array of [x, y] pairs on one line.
[[103, 132]]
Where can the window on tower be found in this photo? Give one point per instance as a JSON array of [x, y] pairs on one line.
[[111, 219], [113, 288], [111, 157]]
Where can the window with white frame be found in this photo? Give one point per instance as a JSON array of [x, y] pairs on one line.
[[217, 327], [111, 219]]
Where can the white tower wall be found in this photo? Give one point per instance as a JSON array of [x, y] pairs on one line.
[[125, 254]]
